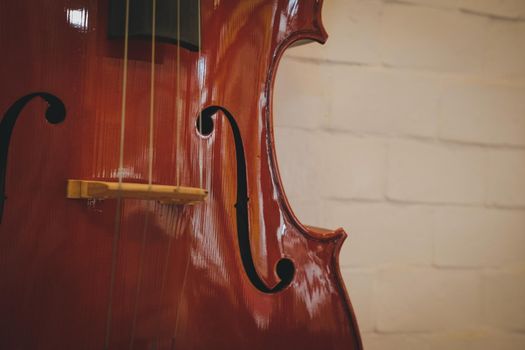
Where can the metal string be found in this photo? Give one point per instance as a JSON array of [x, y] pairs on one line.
[[120, 174], [150, 153], [139, 281], [200, 81], [150, 166], [124, 97], [178, 147], [181, 295], [165, 271], [178, 100], [152, 91], [178, 153]]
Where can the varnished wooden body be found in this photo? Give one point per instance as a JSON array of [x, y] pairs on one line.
[[179, 282]]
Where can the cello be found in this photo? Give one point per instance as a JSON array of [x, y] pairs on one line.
[[141, 205]]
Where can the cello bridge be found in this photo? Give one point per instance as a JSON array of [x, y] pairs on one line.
[[87, 189]]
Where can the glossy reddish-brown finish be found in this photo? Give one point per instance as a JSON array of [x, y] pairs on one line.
[[179, 282]]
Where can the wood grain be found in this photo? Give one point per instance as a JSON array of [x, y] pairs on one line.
[[139, 274]]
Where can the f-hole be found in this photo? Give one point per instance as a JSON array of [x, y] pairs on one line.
[[285, 268], [55, 113]]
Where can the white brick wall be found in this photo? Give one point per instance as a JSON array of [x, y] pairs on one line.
[[408, 129]]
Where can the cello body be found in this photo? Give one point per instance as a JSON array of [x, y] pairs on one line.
[[139, 274]]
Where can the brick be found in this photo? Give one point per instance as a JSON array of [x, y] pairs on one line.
[[467, 340], [435, 173], [505, 50], [506, 178], [352, 167], [384, 101], [301, 94], [419, 300], [380, 341], [478, 237], [408, 129], [296, 150], [477, 340], [382, 234], [503, 301], [308, 211], [444, 4], [491, 114], [499, 8], [360, 286], [434, 39], [353, 28]]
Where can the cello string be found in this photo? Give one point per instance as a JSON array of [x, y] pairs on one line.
[[120, 174], [178, 113], [139, 280], [181, 295], [165, 270], [124, 98], [178, 101], [152, 92], [150, 167], [200, 81], [179, 226]]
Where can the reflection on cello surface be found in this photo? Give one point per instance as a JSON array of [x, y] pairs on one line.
[[140, 200]]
